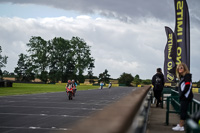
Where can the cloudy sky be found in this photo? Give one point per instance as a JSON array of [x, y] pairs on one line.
[[124, 35]]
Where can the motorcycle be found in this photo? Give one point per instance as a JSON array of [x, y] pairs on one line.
[[70, 92]]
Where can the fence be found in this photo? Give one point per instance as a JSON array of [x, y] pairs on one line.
[[193, 108], [123, 116]]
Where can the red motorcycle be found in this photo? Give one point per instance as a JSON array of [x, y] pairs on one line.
[[70, 92]]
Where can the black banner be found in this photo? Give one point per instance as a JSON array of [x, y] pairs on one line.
[[182, 32], [170, 56]]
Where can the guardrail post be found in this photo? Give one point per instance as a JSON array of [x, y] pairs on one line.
[[194, 107], [167, 112], [142, 118]]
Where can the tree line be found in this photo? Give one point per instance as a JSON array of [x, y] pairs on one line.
[[3, 62], [55, 60], [60, 59]]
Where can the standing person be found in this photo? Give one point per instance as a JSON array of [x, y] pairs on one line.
[[158, 83], [101, 85], [185, 93]]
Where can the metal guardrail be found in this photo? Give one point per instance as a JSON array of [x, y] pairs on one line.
[[194, 106], [175, 104], [142, 119], [121, 117], [166, 90]]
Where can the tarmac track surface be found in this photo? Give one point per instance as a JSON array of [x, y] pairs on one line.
[[53, 112]]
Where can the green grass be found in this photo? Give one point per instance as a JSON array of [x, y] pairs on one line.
[[22, 88]]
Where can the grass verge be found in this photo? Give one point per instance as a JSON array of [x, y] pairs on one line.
[[22, 88]]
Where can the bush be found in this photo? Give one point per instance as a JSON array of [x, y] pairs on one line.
[[126, 79]]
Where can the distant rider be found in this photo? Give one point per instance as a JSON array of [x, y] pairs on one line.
[[74, 87], [101, 85], [110, 85]]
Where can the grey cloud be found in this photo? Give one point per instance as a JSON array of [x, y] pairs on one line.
[[128, 45], [109, 41], [124, 10], [121, 9]]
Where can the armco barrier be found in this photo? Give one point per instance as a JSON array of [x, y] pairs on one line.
[[117, 117], [195, 90], [115, 85], [86, 84], [194, 106]]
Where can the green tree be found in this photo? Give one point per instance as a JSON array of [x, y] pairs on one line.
[[6, 73], [24, 71], [146, 82], [137, 80], [81, 56], [3, 62], [61, 60], [104, 76], [126, 79], [90, 73], [39, 53]]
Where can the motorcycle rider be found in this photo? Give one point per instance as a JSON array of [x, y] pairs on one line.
[[69, 84], [69, 89], [101, 85], [74, 87], [110, 85]]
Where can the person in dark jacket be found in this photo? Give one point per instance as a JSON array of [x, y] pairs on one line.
[[185, 93], [158, 83]]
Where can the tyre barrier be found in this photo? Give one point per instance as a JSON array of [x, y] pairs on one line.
[[5, 83]]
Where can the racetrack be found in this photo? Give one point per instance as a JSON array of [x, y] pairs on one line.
[[53, 112]]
